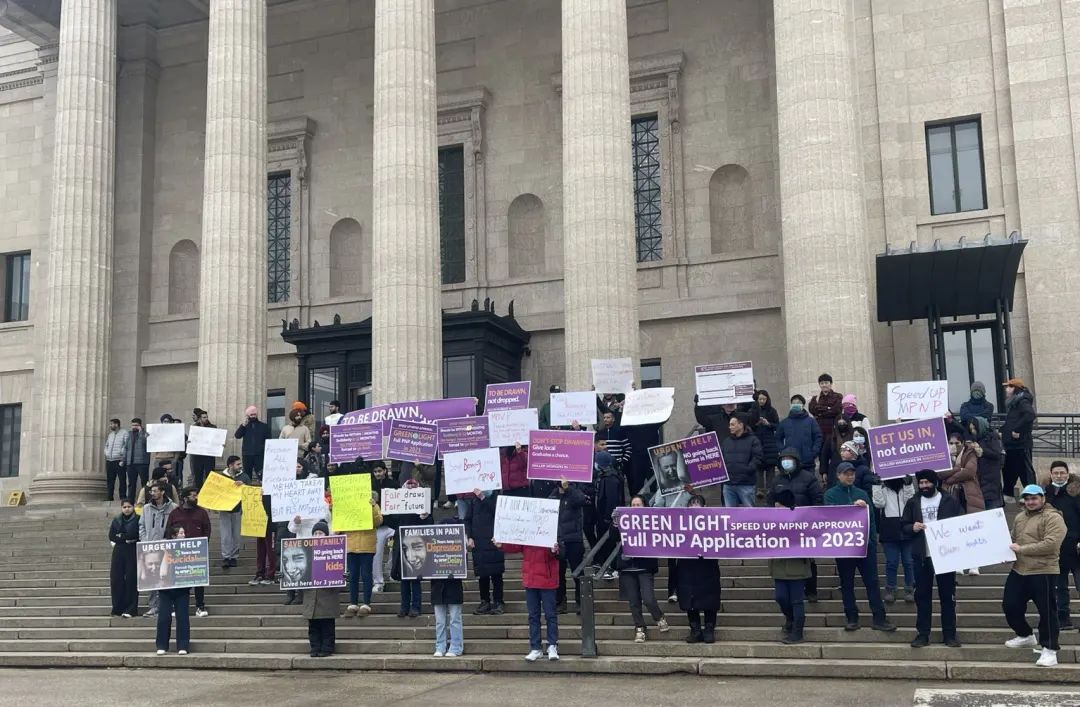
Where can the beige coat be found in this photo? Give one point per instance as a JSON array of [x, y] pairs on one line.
[[300, 433], [1039, 536]]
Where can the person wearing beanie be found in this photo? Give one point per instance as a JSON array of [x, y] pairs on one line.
[[254, 433], [977, 405], [849, 406], [805, 488], [1016, 437], [321, 608], [930, 505]]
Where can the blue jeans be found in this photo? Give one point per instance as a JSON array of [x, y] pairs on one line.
[[790, 594], [410, 595], [739, 495], [360, 565], [173, 600], [534, 598], [867, 568], [443, 612], [895, 553]]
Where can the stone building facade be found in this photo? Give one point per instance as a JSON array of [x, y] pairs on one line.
[[776, 148]]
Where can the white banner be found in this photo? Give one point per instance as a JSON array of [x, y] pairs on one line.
[[968, 541], [651, 406], [305, 498], [724, 383], [527, 521], [466, 472], [917, 400], [206, 441], [568, 408], [509, 427], [613, 375], [279, 463], [165, 438], [394, 502]]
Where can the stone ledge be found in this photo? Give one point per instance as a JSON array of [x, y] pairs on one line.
[[604, 665], [1063, 673], [906, 670]]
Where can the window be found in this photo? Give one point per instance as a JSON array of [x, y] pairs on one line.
[[17, 287], [275, 410], [458, 377], [10, 432], [955, 163], [645, 143], [452, 213], [279, 230], [651, 373], [322, 388]]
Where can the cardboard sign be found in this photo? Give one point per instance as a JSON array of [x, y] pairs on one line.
[[919, 400], [351, 496], [279, 463], [165, 438], [253, 520], [507, 396], [219, 493], [433, 551], [967, 541], [509, 427], [612, 375], [520, 520], [477, 469], [206, 441], [651, 406], [568, 408], [415, 501], [313, 563], [303, 497], [724, 383], [172, 564]]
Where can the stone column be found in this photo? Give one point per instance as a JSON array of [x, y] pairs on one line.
[[826, 262], [599, 249], [75, 358], [406, 292], [232, 302]]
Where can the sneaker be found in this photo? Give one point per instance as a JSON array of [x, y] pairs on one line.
[[364, 610], [909, 596], [266, 582], [553, 653], [255, 581], [1009, 499], [174, 614], [920, 641], [438, 654], [851, 626], [413, 614], [889, 597], [673, 599], [160, 652], [534, 655], [1022, 642], [453, 654], [1047, 659], [483, 609], [351, 610], [181, 652], [639, 635], [128, 616], [608, 576], [225, 564], [973, 572], [377, 588], [151, 614], [953, 642], [662, 624], [497, 609], [447, 504], [201, 613], [1066, 625], [883, 625]]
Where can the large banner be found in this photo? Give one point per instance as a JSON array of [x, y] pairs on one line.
[[520, 520], [507, 396], [351, 496], [972, 540], [219, 492], [651, 406], [300, 497], [568, 408], [279, 463], [167, 437], [479, 469], [415, 501], [908, 447], [173, 564], [313, 563], [744, 533], [509, 427], [724, 383], [461, 434], [206, 441], [347, 442], [554, 454], [696, 461], [433, 551], [253, 520], [427, 411], [612, 375], [918, 400], [415, 442]]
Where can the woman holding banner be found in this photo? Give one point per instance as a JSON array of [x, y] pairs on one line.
[[636, 585], [699, 590], [173, 601]]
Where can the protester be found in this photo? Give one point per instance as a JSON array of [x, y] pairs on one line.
[[123, 580], [675, 500], [410, 588], [714, 418], [742, 458], [153, 523], [826, 407], [544, 414], [805, 486], [196, 524], [136, 458], [1016, 437], [380, 481], [265, 550], [321, 608], [831, 455], [930, 505], [572, 500], [607, 496], [618, 446], [360, 560], [636, 586], [1037, 534], [986, 443], [764, 420], [514, 463], [254, 432], [229, 521], [800, 431], [448, 600], [488, 561], [699, 590], [789, 575], [890, 498], [176, 456], [115, 443], [1063, 493], [296, 429], [174, 602], [963, 480], [849, 407], [848, 453], [977, 405], [159, 476], [200, 464], [538, 575], [315, 460]]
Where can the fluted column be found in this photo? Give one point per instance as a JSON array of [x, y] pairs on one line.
[[75, 358], [826, 263], [599, 252], [406, 330], [232, 301]]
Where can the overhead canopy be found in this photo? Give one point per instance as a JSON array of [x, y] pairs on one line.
[[948, 280]]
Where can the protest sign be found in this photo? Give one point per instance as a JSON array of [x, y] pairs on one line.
[[568, 408], [651, 406], [299, 497], [744, 532], [612, 375], [253, 518], [507, 396], [433, 551], [509, 427], [405, 501], [520, 520], [279, 463], [973, 540], [165, 438], [476, 469], [460, 434], [427, 411], [724, 383], [347, 442], [554, 454], [219, 492], [694, 460], [918, 400], [206, 441], [351, 496], [908, 447], [313, 563], [415, 442], [172, 564]]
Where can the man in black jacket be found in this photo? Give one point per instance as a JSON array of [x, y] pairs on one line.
[[1016, 437], [742, 457], [1063, 493], [805, 488], [930, 505], [254, 432]]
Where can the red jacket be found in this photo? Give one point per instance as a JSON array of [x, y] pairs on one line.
[[515, 470], [195, 521], [540, 566], [826, 407]]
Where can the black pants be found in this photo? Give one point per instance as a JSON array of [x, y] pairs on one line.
[[138, 475], [588, 521], [487, 585], [122, 580], [253, 464], [114, 477], [321, 635], [1037, 588], [672, 585], [810, 585], [1017, 468], [570, 558], [924, 598], [640, 470], [695, 617], [200, 597], [200, 467]]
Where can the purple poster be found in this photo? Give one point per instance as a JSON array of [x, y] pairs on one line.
[[463, 434], [554, 454], [694, 461], [908, 447], [415, 411], [507, 396], [412, 442], [313, 563], [744, 533], [347, 442]]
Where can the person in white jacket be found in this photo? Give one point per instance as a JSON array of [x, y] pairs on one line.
[[890, 497]]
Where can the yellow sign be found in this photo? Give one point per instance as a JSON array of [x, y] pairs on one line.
[[351, 496], [253, 519], [219, 493], [16, 498]]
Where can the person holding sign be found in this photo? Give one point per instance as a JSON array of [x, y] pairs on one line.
[[698, 587], [173, 601], [514, 463], [321, 610], [539, 575], [360, 556], [488, 561], [410, 588], [230, 520], [789, 575], [200, 465], [196, 524], [636, 586]]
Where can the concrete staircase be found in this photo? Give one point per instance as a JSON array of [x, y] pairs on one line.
[[54, 612]]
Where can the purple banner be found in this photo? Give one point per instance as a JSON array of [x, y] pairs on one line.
[[696, 461], [463, 434], [908, 447], [744, 533], [313, 563], [414, 442], [507, 396], [415, 411], [347, 442], [554, 454]]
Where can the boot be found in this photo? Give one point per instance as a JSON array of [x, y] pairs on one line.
[[889, 597], [709, 634], [484, 608], [796, 635], [789, 623], [695, 634]]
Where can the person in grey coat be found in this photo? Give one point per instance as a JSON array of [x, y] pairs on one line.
[[153, 523], [321, 609]]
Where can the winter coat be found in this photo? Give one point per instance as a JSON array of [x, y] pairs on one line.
[[714, 419], [697, 583], [1039, 535], [447, 592], [991, 459], [826, 408], [195, 521], [742, 457], [124, 531], [976, 408], [322, 603], [1019, 417], [254, 433], [135, 450], [890, 505], [571, 505], [300, 433], [515, 469], [766, 433], [364, 540], [865, 478], [801, 431], [1066, 500], [539, 566], [841, 495], [607, 492], [804, 484], [790, 568], [115, 445], [965, 474], [488, 560], [949, 508], [155, 520]]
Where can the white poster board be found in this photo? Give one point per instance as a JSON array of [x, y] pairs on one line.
[[612, 375], [165, 438], [509, 427], [568, 408], [206, 441], [475, 469], [651, 406], [279, 463], [416, 501], [724, 383], [527, 521], [917, 400], [967, 541], [305, 498]]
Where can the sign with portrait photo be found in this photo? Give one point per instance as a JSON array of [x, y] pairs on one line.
[[172, 564], [313, 563], [433, 551]]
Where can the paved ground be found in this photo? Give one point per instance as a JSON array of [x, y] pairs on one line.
[[110, 687]]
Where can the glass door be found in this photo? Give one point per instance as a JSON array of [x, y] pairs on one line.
[[969, 357]]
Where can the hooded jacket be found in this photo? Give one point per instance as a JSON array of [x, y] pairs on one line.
[[991, 459], [742, 457], [976, 407], [803, 483], [890, 498], [1066, 500], [1040, 535], [801, 431], [1019, 417], [155, 520], [764, 421], [539, 566]]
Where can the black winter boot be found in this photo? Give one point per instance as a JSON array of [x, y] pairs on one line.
[[709, 635], [695, 634], [796, 634]]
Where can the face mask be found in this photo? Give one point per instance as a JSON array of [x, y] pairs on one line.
[[850, 410], [787, 465], [858, 439], [976, 395], [929, 493], [1059, 484], [796, 407]]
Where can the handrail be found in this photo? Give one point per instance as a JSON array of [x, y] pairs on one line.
[[1053, 434]]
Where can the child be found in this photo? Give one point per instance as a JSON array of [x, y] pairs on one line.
[[321, 610], [540, 575], [173, 601], [410, 588], [381, 480], [447, 599]]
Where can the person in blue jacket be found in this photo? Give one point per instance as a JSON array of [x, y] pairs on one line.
[[800, 431], [977, 405]]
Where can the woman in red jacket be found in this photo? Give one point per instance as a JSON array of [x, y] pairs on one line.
[[540, 576], [515, 470]]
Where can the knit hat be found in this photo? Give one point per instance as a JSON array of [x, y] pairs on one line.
[[849, 399], [928, 474], [851, 447], [603, 459], [251, 410], [844, 466], [321, 525], [978, 387]]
